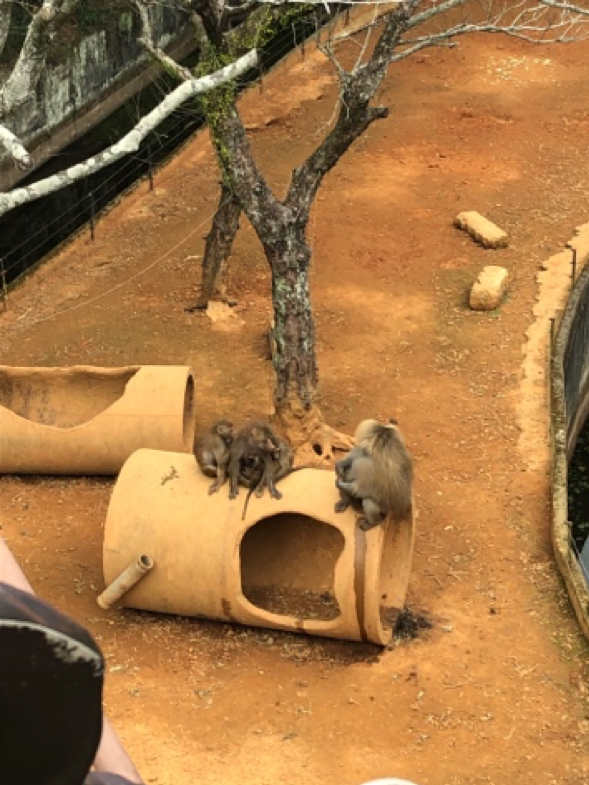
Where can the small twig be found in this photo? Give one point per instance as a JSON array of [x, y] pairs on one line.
[[360, 57], [25, 314], [433, 577]]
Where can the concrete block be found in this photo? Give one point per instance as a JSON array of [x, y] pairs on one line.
[[481, 229], [489, 289]]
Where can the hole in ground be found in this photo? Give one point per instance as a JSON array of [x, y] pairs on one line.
[[288, 566]]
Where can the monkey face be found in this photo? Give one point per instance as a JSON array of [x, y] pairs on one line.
[[224, 429]]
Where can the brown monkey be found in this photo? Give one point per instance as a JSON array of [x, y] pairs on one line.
[[376, 475], [247, 460], [212, 452], [276, 465]]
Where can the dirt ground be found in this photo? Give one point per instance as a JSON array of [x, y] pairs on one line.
[[496, 690]]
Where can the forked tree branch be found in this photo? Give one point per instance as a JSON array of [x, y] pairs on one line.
[[25, 74], [236, 158], [535, 23], [5, 15], [12, 143], [33, 54], [358, 87], [147, 41], [129, 143]]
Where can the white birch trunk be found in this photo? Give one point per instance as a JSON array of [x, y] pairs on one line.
[[129, 143], [5, 14]]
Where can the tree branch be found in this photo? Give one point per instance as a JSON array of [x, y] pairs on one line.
[[147, 41], [532, 23], [129, 143], [564, 6], [33, 55], [355, 115], [227, 130], [22, 81], [5, 16], [14, 146], [258, 202]]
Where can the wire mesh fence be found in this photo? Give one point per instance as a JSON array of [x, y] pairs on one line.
[[30, 232], [569, 369]]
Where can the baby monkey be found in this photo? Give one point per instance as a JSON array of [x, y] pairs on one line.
[[258, 474], [251, 450], [212, 452], [279, 463], [376, 475]]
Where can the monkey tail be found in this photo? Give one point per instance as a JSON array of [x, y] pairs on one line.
[[247, 498]]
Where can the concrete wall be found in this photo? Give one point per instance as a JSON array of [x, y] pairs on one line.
[[100, 73], [570, 404]]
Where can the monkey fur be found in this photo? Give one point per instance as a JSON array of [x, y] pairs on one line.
[[212, 452], [276, 465], [252, 446], [377, 474]]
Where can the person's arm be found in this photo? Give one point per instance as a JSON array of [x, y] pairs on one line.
[[10, 572], [111, 755]]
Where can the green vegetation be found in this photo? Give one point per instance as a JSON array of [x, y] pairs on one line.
[[255, 33]]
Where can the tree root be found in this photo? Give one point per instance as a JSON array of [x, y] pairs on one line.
[[322, 448], [314, 442], [202, 303]]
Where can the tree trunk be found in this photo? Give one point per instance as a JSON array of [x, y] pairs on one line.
[[219, 242], [294, 330], [297, 415]]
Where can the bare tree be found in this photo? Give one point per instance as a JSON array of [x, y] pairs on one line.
[[401, 30], [26, 72]]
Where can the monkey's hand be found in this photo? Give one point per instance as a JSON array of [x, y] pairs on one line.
[[342, 505], [213, 488], [341, 467], [365, 524], [275, 494], [233, 493]]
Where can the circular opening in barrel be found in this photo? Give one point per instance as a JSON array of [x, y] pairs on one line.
[[288, 566], [395, 569], [189, 414]]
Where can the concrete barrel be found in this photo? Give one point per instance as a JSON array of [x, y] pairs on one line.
[[85, 420], [292, 564]]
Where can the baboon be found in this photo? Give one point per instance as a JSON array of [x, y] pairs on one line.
[[212, 452], [259, 473], [249, 451], [376, 475], [278, 464]]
